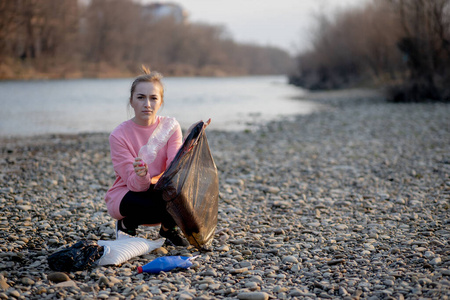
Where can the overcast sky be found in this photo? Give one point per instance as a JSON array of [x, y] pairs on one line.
[[283, 23]]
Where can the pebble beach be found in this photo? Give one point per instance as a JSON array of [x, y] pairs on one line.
[[349, 202]]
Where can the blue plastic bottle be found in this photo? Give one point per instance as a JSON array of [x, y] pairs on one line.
[[166, 263]]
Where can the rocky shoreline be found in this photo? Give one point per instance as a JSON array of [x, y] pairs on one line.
[[350, 202]]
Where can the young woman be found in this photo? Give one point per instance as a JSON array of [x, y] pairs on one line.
[[132, 199]]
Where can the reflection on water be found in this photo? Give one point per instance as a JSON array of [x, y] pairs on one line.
[[98, 105]]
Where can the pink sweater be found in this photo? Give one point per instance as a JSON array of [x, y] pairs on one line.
[[125, 142]]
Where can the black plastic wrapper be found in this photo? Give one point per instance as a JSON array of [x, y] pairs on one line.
[[77, 257], [190, 185]]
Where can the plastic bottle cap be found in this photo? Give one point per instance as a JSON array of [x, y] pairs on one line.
[[139, 270]]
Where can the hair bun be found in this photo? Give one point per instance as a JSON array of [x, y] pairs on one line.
[[145, 69]]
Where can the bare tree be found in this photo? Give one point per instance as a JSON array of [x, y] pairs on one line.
[[383, 43], [67, 38], [425, 44]]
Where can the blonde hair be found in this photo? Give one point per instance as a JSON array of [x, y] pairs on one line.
[[148, 76]]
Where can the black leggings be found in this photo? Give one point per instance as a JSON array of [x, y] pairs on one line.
[[148, 207]]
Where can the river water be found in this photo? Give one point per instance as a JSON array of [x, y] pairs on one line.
[[98, 105]]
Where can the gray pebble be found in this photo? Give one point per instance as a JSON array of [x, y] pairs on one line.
[[253, 296], [58, 277]]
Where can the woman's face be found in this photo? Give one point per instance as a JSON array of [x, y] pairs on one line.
[[146, 101]]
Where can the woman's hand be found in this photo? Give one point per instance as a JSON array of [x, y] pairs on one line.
[[140, 167], [205, 124]]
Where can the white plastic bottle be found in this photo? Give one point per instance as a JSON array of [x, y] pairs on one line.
[[158, 139]]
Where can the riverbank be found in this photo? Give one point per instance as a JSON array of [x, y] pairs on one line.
[[13, 71], [349, 202]]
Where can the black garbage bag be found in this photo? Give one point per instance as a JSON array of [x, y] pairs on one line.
[[190, 186], [77, 257]]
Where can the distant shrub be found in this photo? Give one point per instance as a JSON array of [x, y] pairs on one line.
[[402, 45]]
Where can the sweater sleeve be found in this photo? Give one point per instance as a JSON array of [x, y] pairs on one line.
[[122, 159]]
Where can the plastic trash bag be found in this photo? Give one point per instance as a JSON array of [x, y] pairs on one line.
[[77, 257], [126, 247], [190, 186], [166, 263]]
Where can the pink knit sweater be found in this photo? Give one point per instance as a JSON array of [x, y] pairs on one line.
[[125, 142]]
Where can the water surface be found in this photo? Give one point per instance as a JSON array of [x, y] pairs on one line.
[[99, 105]]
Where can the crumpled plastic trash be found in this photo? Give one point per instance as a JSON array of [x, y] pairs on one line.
[[167, 263], [85, 254], [158, 139], [77, 257]]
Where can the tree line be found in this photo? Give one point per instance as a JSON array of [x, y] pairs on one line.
[[402, 45], [111, 38]]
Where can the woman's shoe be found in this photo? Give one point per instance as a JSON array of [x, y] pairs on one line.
[[174, 236], [119, 227]]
